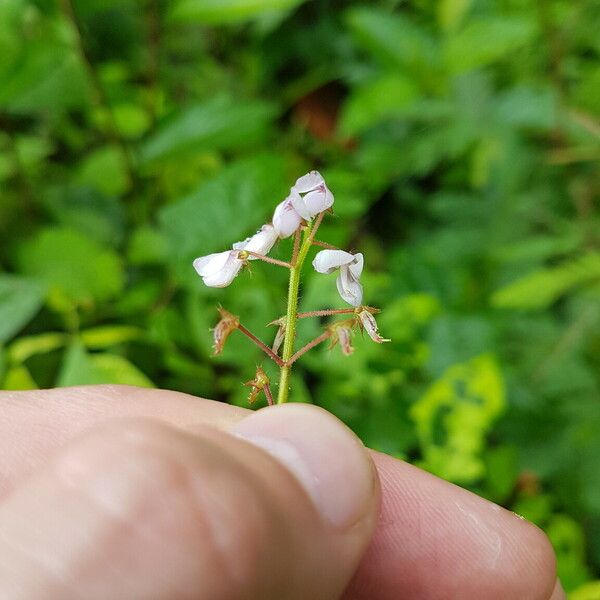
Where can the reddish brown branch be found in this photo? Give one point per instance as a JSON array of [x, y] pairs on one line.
[[261, 345], [324, 336]]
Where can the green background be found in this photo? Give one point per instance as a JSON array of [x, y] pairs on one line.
[[461, 139]]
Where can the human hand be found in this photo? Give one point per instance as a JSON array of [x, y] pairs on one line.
[[125, 493]]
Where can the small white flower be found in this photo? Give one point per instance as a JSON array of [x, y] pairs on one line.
[[317, 196], [350, 266], [221, 268], [286, 219], [261, 242]]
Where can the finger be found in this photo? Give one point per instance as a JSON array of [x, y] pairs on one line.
[[436, 540], [418, 517], [143, 510], [35, 423]]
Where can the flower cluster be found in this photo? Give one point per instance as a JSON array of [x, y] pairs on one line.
[[299, 214]]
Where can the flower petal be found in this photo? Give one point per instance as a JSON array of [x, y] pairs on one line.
[[349, 287], [369, 324], [213, 263], [318, 200], [308, 182], [327, 261], [286, 219], [300, 205], [356, 266], [224, 275], [261, 242]]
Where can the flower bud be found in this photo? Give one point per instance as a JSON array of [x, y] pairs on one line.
[[223, 329]]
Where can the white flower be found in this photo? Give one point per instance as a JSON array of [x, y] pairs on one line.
[[286, 219], [221, 268], [261, 242], [317, 196], [350, 266]]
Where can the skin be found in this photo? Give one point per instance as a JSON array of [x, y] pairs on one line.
[[120, 492]]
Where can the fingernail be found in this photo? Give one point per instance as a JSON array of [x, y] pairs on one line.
[[326, 458], [558, 593]]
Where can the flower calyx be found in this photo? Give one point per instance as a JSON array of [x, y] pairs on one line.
[[367, 322], [341, 333], [260, 383], [222, 330]]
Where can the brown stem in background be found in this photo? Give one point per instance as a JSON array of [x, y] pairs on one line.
[[261, 345], [324, 245], [315, 227], [324, 336]]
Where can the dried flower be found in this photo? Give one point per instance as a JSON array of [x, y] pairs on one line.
[[341, 333], [259, 384], [280, 335], [350, 266], [227, 324], [369, 324]]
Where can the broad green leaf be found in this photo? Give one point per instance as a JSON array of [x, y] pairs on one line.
[[392, 38], [20, 300], [217, 12], [484, 41], [104, 170], [78, 368], [19, 378], [450, 13], [454, 415], [220, 123], [587, 591], [541, 288], [106, 336], [73, 266], [377, 101], [224, 210], [117, 369], [26, 347]]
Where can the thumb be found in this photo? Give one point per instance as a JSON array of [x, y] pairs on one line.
[[283, 509]]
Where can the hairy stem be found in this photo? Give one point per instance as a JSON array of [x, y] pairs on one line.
[[292, 313], [261, 345], [273, 261], [268, 394], [326, 312], [318, 340]]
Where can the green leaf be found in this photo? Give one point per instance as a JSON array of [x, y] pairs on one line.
[[588, 591], [19, 378], [105, 170], [485, 41], [81, 368], [20, 300], [216, 12], [109, 335], [26, 347], [74, 266], [541, 288], [454, 415], [392, 38], [224, 210], [116, 369], [376, 101], [221, 123]]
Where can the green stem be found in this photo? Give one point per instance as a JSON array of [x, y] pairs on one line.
[[291, 317]]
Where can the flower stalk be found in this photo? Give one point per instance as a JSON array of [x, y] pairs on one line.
[[300, 215]]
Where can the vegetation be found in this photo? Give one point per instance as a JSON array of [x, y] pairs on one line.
[[461, 139]]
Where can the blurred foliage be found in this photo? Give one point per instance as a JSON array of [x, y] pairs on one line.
[[461, 139]]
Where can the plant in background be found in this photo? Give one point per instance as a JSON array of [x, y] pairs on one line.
[[299, 215]]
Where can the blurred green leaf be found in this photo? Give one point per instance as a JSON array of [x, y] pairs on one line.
[[25, 347], [18, 378], [109, 335], [541, 288], [112, 368], [220, 123], [484, 41], [73, 265], [216, 12], [20, 300]]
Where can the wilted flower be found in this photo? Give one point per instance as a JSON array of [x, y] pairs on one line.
[[259, 384], [317, 196], [368, 323], [224, 327], [341, 333], [221, 268], [280, 335], [350, 266]]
